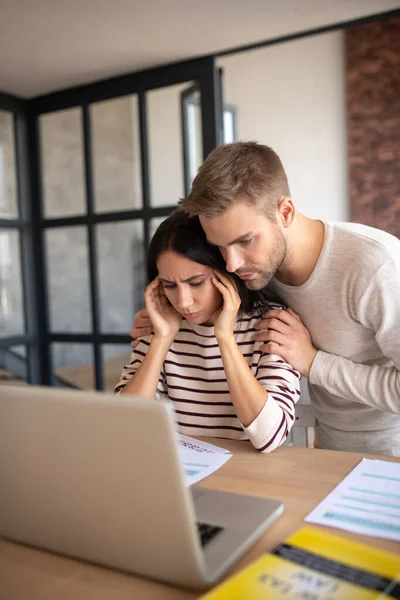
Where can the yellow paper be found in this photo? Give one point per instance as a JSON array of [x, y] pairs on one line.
[[314, 565]]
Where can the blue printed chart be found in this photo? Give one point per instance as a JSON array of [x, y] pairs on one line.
[[200, 459], [367, 501]]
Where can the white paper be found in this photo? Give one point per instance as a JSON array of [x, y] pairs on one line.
[[200, 459], [187, 442], [367, 501], [197, 469]]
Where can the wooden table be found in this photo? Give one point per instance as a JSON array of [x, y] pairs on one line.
[[299, 477], [83, 377]]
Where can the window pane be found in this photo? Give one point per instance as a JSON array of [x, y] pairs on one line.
[[11, 297], [73, 365], [8, 178], [62, 163], [68, 279], [229, 125], [13, 367], [115, 356], [154, 223], [165, 145], [116, 154], [122, 277], [19, 351], [192, 135]]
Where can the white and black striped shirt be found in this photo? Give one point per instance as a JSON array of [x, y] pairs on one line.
[[193, 378]]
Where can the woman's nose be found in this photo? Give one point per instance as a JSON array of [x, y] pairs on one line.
[[185, 299]]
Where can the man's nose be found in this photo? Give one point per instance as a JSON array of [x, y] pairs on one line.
[[233, 260]]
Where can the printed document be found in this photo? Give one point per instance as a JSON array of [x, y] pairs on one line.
[[200, 459], [367, 501]]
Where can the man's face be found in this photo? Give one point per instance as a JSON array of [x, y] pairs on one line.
[[252, 245]]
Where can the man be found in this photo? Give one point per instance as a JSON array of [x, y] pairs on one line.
[[342, 278]]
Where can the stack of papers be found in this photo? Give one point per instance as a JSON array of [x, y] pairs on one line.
[[200, 459], [367, 501]]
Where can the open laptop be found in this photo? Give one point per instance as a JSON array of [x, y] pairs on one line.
[[99, 477]]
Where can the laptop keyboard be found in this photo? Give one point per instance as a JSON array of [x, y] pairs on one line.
[[207, 532]]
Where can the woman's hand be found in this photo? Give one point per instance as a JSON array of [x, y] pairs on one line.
[[224, 321], [165, 319]]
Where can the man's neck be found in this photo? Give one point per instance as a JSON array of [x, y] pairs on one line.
[[305, 241]]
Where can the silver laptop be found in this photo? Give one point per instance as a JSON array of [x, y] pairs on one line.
[[99, 477]]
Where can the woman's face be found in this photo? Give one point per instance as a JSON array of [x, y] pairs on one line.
[[189, 288]]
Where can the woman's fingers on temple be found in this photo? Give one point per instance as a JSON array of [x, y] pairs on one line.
[[153, 284], [221, 288], [218, 284], [222, 277], [229, 283], [224, 281]]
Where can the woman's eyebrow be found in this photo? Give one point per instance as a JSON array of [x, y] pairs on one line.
[[188, 280]]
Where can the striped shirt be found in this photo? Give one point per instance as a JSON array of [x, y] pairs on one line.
[[193, 378]]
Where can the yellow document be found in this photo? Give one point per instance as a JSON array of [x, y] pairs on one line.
[[314, 565]]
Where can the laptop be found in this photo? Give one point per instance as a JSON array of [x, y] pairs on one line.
[[99, 477]]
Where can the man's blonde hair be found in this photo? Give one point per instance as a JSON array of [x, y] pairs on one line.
[[240, 171]]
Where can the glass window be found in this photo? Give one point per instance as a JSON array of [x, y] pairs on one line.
[[62, 163], [19, 351], [192, 134], [165, 145], [8, 178], [154, 223], [11, 296], [73, 365], [13, 367], [122, 273], [116, 154], [68, 279], [229, 124], [115, 356]]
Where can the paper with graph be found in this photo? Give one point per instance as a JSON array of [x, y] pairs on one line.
[[367, 501], [200, 459]]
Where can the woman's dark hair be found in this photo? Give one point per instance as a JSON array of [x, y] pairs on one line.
[[184, 235]]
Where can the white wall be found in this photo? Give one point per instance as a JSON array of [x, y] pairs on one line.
[[292, 97]]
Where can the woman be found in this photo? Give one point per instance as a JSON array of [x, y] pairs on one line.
[[202, 354]]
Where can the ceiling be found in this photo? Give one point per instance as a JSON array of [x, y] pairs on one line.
[[47, 45]]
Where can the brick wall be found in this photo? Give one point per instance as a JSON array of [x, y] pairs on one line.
[[373, 113]]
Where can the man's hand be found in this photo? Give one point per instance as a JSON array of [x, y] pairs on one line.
[[141, 327], [284, 327]]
